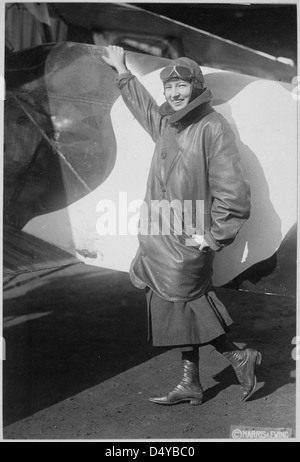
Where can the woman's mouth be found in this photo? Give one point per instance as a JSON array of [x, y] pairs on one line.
[[177, 102]]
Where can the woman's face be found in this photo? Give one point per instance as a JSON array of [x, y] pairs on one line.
[[178, 93]]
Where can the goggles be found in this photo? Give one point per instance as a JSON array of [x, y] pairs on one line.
[[181, 72]]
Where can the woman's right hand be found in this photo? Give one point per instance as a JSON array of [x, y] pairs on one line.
[[116, 58]]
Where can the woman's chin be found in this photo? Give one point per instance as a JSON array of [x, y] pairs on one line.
[[177, 107]]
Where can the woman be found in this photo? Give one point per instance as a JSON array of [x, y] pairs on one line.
[[195, 159]]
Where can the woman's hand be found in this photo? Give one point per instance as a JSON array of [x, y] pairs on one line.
[[204, 247], [116, 58]]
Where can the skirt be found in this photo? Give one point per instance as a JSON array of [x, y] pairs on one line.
[[197, 322]]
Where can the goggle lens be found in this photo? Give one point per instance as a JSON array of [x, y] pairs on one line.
[[179, 71]]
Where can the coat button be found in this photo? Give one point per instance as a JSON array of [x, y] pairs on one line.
[[163, 188], [163, 155]]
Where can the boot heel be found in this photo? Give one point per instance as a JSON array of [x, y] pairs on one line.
[[259, 359], [195, 402]]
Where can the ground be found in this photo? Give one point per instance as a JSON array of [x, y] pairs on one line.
[[78, 364]]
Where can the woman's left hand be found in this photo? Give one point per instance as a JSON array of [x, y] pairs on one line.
[[204, 247]]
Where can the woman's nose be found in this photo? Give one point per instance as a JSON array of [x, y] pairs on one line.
[[174, 92]]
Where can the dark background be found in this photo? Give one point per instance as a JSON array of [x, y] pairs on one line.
[[268, 28]]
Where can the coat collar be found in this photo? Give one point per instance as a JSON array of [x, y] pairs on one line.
[[178, 116]]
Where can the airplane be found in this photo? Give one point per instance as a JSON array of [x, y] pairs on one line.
[[67, 148], [136, 29], [66, 144], [139, 30]]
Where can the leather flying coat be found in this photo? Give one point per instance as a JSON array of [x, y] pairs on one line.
[[195, 159]]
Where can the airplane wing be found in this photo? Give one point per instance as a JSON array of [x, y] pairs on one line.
[[125, 24]]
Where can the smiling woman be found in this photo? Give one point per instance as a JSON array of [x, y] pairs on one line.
[[183, 82], [178, 93], [195, 157]]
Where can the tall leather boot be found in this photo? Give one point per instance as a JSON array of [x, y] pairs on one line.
[[189, 389], [243, 363]]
